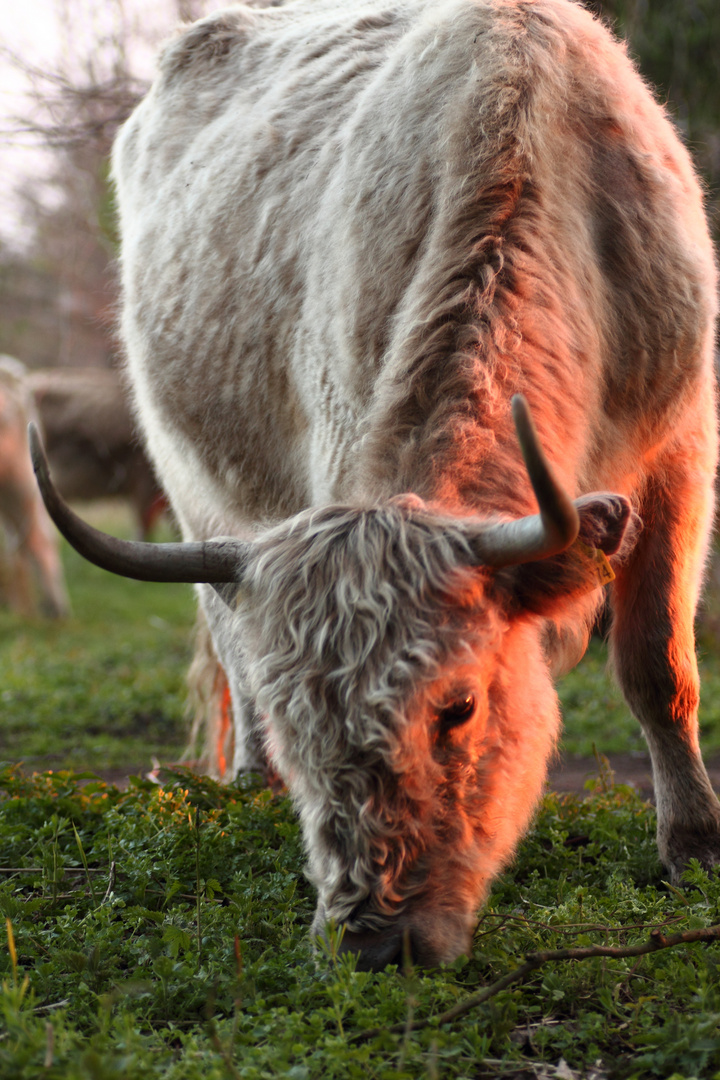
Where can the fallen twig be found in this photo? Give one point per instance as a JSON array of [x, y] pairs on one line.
[[54, 1005], [570, 928], [535, 960]]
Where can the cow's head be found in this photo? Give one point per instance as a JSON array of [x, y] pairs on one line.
[[395, 655]]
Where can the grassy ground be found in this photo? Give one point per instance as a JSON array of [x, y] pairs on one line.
[[105, 688], [163, 931], [595, 713]]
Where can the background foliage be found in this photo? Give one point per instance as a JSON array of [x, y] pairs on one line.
[[105, 688], [677, 46]]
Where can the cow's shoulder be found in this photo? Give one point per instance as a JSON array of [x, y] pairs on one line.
[[207, 44]]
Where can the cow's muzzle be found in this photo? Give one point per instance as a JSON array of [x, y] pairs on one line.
[[425, 943]]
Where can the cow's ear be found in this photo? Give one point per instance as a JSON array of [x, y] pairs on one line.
[[608, 527]]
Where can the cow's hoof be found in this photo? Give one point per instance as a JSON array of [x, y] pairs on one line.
[[263, 773], [684, 845]]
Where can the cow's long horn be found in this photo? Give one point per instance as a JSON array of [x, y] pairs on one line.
[[211, 561], [541, 535]]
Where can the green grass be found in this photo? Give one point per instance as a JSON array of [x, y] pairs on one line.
[[105, 688], [163, 931], [595, 713]]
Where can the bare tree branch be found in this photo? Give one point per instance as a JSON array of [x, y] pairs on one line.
[[566, 928], [535, 960], [69, 113]]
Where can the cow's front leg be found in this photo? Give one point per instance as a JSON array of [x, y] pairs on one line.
[[653, 648], [248, 753]]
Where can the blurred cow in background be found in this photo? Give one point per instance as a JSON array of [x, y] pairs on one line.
[[92, 442], [31, 575], [95, 454]]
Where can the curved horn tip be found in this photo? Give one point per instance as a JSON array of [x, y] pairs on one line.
[[195, 561], [521, 414], [518, 402], [556, 507], [37, 450], [41, 468]]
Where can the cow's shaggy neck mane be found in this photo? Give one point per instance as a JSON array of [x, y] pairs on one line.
[[455, 364], [459, 366], [523, 304]]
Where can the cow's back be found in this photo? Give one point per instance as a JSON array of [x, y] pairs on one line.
[[351, 231]]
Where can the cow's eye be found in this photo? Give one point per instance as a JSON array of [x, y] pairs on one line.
[[457, 712]]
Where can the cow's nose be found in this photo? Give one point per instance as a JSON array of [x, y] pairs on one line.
[[377, 949]]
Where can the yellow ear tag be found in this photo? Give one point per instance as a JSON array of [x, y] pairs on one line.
[[597, 562]]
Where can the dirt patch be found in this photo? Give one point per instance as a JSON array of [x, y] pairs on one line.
[[569, 774]]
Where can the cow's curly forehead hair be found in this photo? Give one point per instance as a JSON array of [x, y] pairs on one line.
[[351, 615]]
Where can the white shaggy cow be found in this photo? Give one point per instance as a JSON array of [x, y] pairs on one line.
[[353, 231]]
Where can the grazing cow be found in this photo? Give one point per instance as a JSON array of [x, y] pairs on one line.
[[92, 442], [31, 574], [354, 233]]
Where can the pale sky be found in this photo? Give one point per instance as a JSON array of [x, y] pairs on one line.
[[29, 29], [34, 29]]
